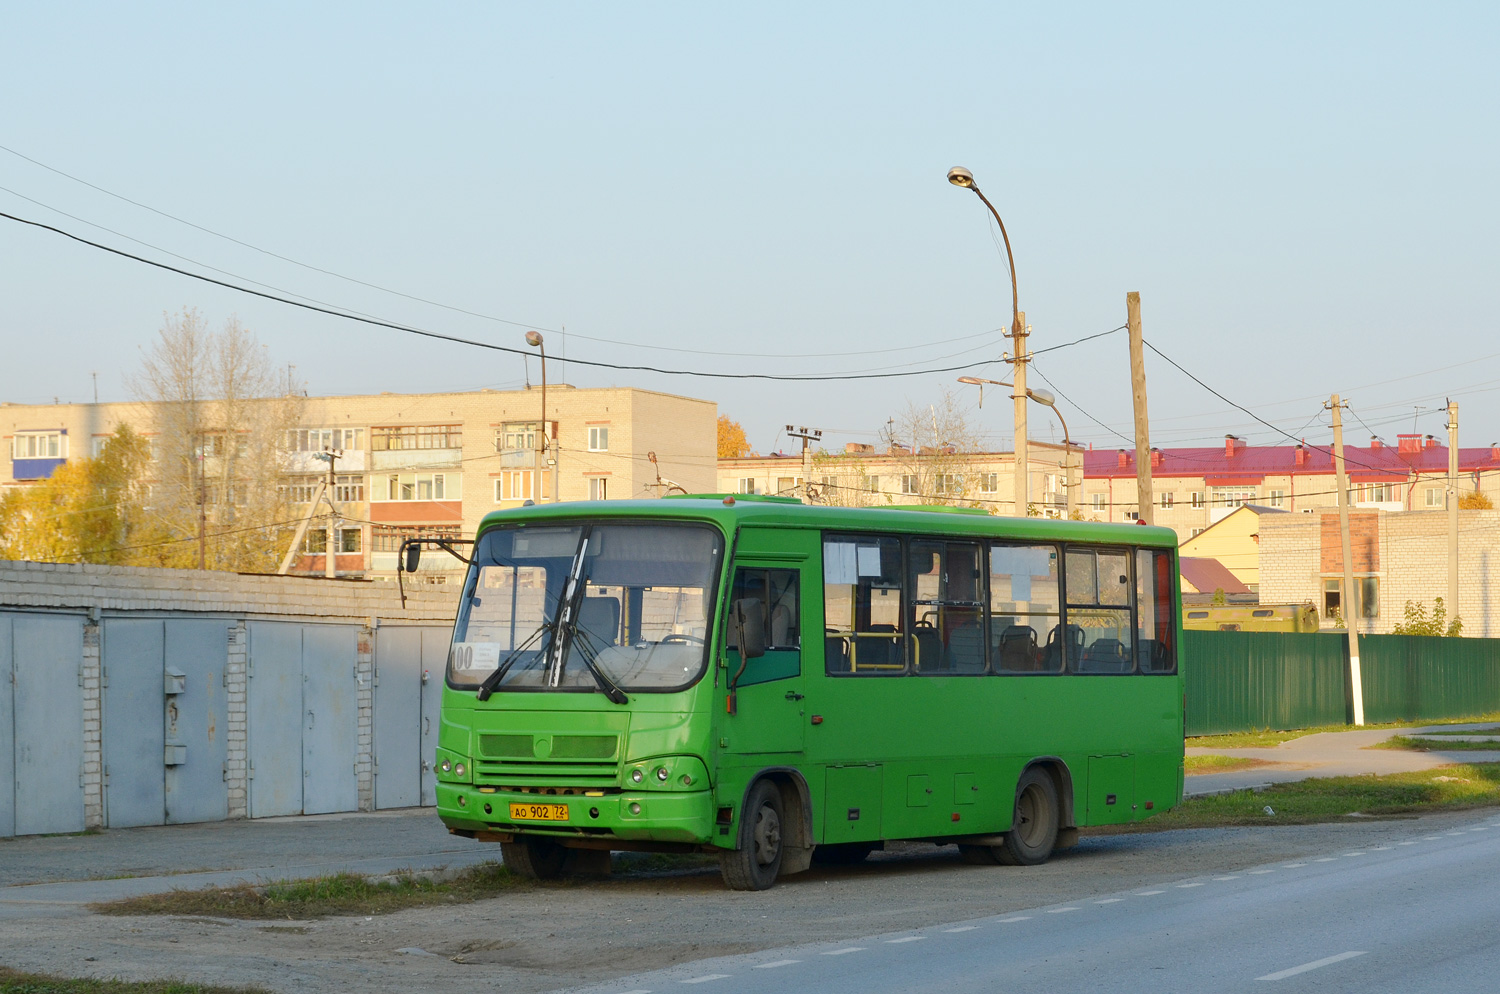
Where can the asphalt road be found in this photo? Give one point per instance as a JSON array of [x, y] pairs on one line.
[[1418, 913]]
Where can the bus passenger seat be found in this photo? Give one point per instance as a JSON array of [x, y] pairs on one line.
[[966, 649], [1017, 649], [930, 657], [599, 619]]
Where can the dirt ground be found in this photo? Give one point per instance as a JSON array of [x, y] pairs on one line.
[[588, 931]]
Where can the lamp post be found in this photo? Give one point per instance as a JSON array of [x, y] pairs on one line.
[[961, 177], [1045, 398], [535, 340]]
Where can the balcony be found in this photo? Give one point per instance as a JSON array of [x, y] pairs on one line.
[[390, 459]]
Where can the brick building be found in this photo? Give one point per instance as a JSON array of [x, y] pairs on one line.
[[430, 464]]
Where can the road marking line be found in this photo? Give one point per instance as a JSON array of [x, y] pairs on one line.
[[1379, 848], [1314, 965], [1261, 871], [1015, 918], [1408, 842], [1326, 859], [1195, 883], [637, 992], [1453, 833], [1480, 828], [906, 938], [706, 979], [1149, 893], [1110, 900], [772, 966], [1293, 866], [962, 928], [1348, 854], [840, 952], [1058, 911], [1232, 876]]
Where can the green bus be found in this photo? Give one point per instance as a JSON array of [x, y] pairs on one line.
[[781, 684]]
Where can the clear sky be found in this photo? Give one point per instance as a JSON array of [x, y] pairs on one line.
[[1304, 195]]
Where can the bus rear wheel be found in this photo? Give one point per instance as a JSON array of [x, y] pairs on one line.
[[756, 859], [533, 859], [1033, 832]]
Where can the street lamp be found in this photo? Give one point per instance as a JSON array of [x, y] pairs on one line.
[[961, 177], [534, 339], [1045, 398]]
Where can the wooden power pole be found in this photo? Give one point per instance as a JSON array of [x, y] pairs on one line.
[[1138, 395], [1452, 510], [1348, 601]]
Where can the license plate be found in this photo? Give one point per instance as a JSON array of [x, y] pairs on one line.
[[539, 812]]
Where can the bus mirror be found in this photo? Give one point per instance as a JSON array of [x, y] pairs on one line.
[[413, 557], [750, 627]]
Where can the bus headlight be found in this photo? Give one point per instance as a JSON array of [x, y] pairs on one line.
[[446, 765], [662, 774], [637, 775]]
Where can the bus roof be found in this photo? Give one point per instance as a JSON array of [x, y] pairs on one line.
[[731, 510]]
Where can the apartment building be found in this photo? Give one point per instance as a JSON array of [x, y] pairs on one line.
[[1193, 488], [404, 465], [861, 475]]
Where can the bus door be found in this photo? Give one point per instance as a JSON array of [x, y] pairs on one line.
[[765, 694]]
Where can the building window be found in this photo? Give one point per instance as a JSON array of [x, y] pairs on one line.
[[1278, 498], [1378, 493], [1435, 497], [414, 486], [324, 439], [514, 485], [347, 488], [1233, 496], [1197, 499], [1331, 598], [1368, 588], [1132, 515], [392, 438], [787, 484], [598, 488], [989, 483], [747, 485], [598, 438], [349, 539], [303, 491], [516, 437], [874, 485], [39, 445], [909, 483], [950, 484], [388, 538], [1196, 532], [1166, 500], [1101, 502]]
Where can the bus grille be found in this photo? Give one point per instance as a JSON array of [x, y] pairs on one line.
[[547, 760]]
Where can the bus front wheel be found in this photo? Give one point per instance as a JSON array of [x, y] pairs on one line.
[[533, 859], [756, 860], [1033, 831]]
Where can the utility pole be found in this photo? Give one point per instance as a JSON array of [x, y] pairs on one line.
[[330, 542], [1019, 333], [807, 435], [1452, 510], [1347, 602], [1138, 395]]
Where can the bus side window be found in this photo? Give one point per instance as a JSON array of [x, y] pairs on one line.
[[1025, 609], [863, 606], [1097, 637], [1155, 644], [776, 590]]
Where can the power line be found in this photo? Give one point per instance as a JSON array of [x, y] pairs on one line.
[[408, 329]]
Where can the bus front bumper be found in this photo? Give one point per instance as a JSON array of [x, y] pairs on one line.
[[644, 816]]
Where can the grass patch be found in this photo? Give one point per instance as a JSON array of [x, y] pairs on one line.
[[1306, 802], [1219, 764], [1488, 730], [1427, 745], [1266, 738], [320, 897], [16, 982]]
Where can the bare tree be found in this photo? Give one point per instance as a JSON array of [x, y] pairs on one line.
[[933, 448], [218, 425]]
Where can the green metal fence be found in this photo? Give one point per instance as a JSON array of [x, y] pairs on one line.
[[1238, 681]]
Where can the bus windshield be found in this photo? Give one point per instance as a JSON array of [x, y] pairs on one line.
[[637, 608]]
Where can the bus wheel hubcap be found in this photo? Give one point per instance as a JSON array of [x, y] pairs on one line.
[[767, 836]]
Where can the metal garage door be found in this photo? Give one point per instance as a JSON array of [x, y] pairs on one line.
[[47, 651], [7, 734], [330, 735], [397, 718], [131, 654], [275, 719], [434, 669], [197, 718]]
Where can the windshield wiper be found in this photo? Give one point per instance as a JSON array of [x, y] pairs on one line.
[[493, 680], [611, 689]]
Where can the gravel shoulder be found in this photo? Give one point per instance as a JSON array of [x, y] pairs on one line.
[[579, 932]]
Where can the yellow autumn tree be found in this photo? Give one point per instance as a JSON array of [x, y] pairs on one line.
[[90, 511], [732, 441]]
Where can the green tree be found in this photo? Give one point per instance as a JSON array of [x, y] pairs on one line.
[[1418, 622]]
